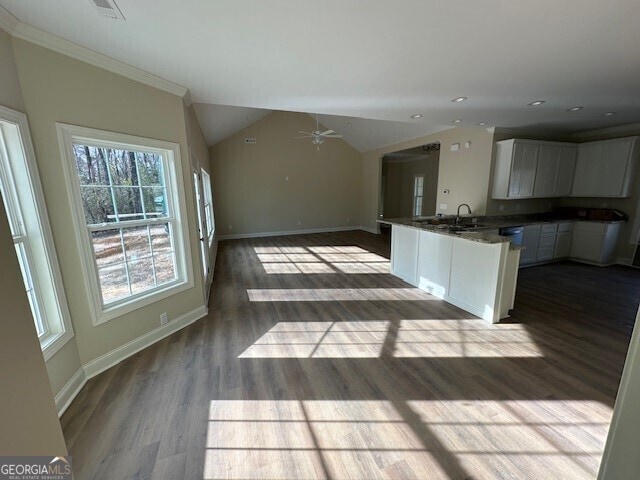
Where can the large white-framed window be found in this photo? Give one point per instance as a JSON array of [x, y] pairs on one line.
[[208, 205], [25, 207], [418, 194], [127, 195]]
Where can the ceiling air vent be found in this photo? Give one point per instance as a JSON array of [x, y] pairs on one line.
[[251, 141], [107, 8]]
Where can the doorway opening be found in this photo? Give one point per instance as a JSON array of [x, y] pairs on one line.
[[409, 183]]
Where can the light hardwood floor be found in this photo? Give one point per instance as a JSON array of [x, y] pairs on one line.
[[314, 362]]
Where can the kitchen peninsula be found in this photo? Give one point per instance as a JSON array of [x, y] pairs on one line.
[[474, 270]]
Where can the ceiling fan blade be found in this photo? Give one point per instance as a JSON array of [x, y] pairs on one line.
[[306, 136], [332, 136], [306, 133], [327, 132]]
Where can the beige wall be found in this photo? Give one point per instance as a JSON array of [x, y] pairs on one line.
[[10, 94], [66, 361], [399, 186], [61, 89], [250, 186], [28, 422], [199, 154], [465, 173]]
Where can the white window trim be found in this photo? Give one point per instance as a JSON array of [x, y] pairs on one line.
[[207, 195], [62, 332], [67, 134], [415, 197]]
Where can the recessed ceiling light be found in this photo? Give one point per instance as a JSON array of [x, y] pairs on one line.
[[608, 114], [574, 109], [249, 116], [416, 116], [459, 99], [536, 103], [349, 124], [457, 120], [482, 124]]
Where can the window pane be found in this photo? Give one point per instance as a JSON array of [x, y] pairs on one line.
[[150, 168], [161, 238], [23, 260], [113, 283], [129, 203], [98, 205], [141, 274], [122, 165], [165, 271], [155, 202], [136, 243], [91, 166], [107, 247]]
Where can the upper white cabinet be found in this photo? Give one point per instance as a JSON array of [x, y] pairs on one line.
[[533, 169], [566, 168], [605, 168]]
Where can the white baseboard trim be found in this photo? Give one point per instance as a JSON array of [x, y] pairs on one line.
[[287, 232], [109, 359], [70, 391], [624, 261], [370, 230]]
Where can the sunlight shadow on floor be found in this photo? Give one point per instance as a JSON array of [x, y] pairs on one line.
[[337, 294], [321, 260], [322, 438], [412, 338]]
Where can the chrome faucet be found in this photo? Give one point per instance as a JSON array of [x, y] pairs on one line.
[[458, 214]]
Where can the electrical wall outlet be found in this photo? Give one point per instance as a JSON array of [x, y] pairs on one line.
[[164, 318], [501, 208], [299, 222]]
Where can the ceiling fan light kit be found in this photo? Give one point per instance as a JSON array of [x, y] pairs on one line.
[[317, 137]]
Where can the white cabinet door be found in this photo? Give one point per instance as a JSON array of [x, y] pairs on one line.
[[605, 168], [587, 241], [566, 168], [530, 240], [587, 173], [404, 253], [474, 275], [546, 247], [434, 263], [615, 160], [523, 170], [547, 171], [563, 245]]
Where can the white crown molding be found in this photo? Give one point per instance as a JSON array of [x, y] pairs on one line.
[[8, 22], [32, 34]]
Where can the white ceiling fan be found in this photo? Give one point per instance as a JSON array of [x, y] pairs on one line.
[[317, 137]]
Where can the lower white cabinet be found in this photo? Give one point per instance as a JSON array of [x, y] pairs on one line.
[[595, 242], [478, 277], [563, 240], [434, 267], [547, 242], [404, 251], [530, 240]]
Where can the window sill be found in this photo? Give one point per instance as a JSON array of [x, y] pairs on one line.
[[113, 312], [53, 342]]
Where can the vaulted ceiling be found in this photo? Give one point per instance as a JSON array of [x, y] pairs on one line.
[[376, 60]]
